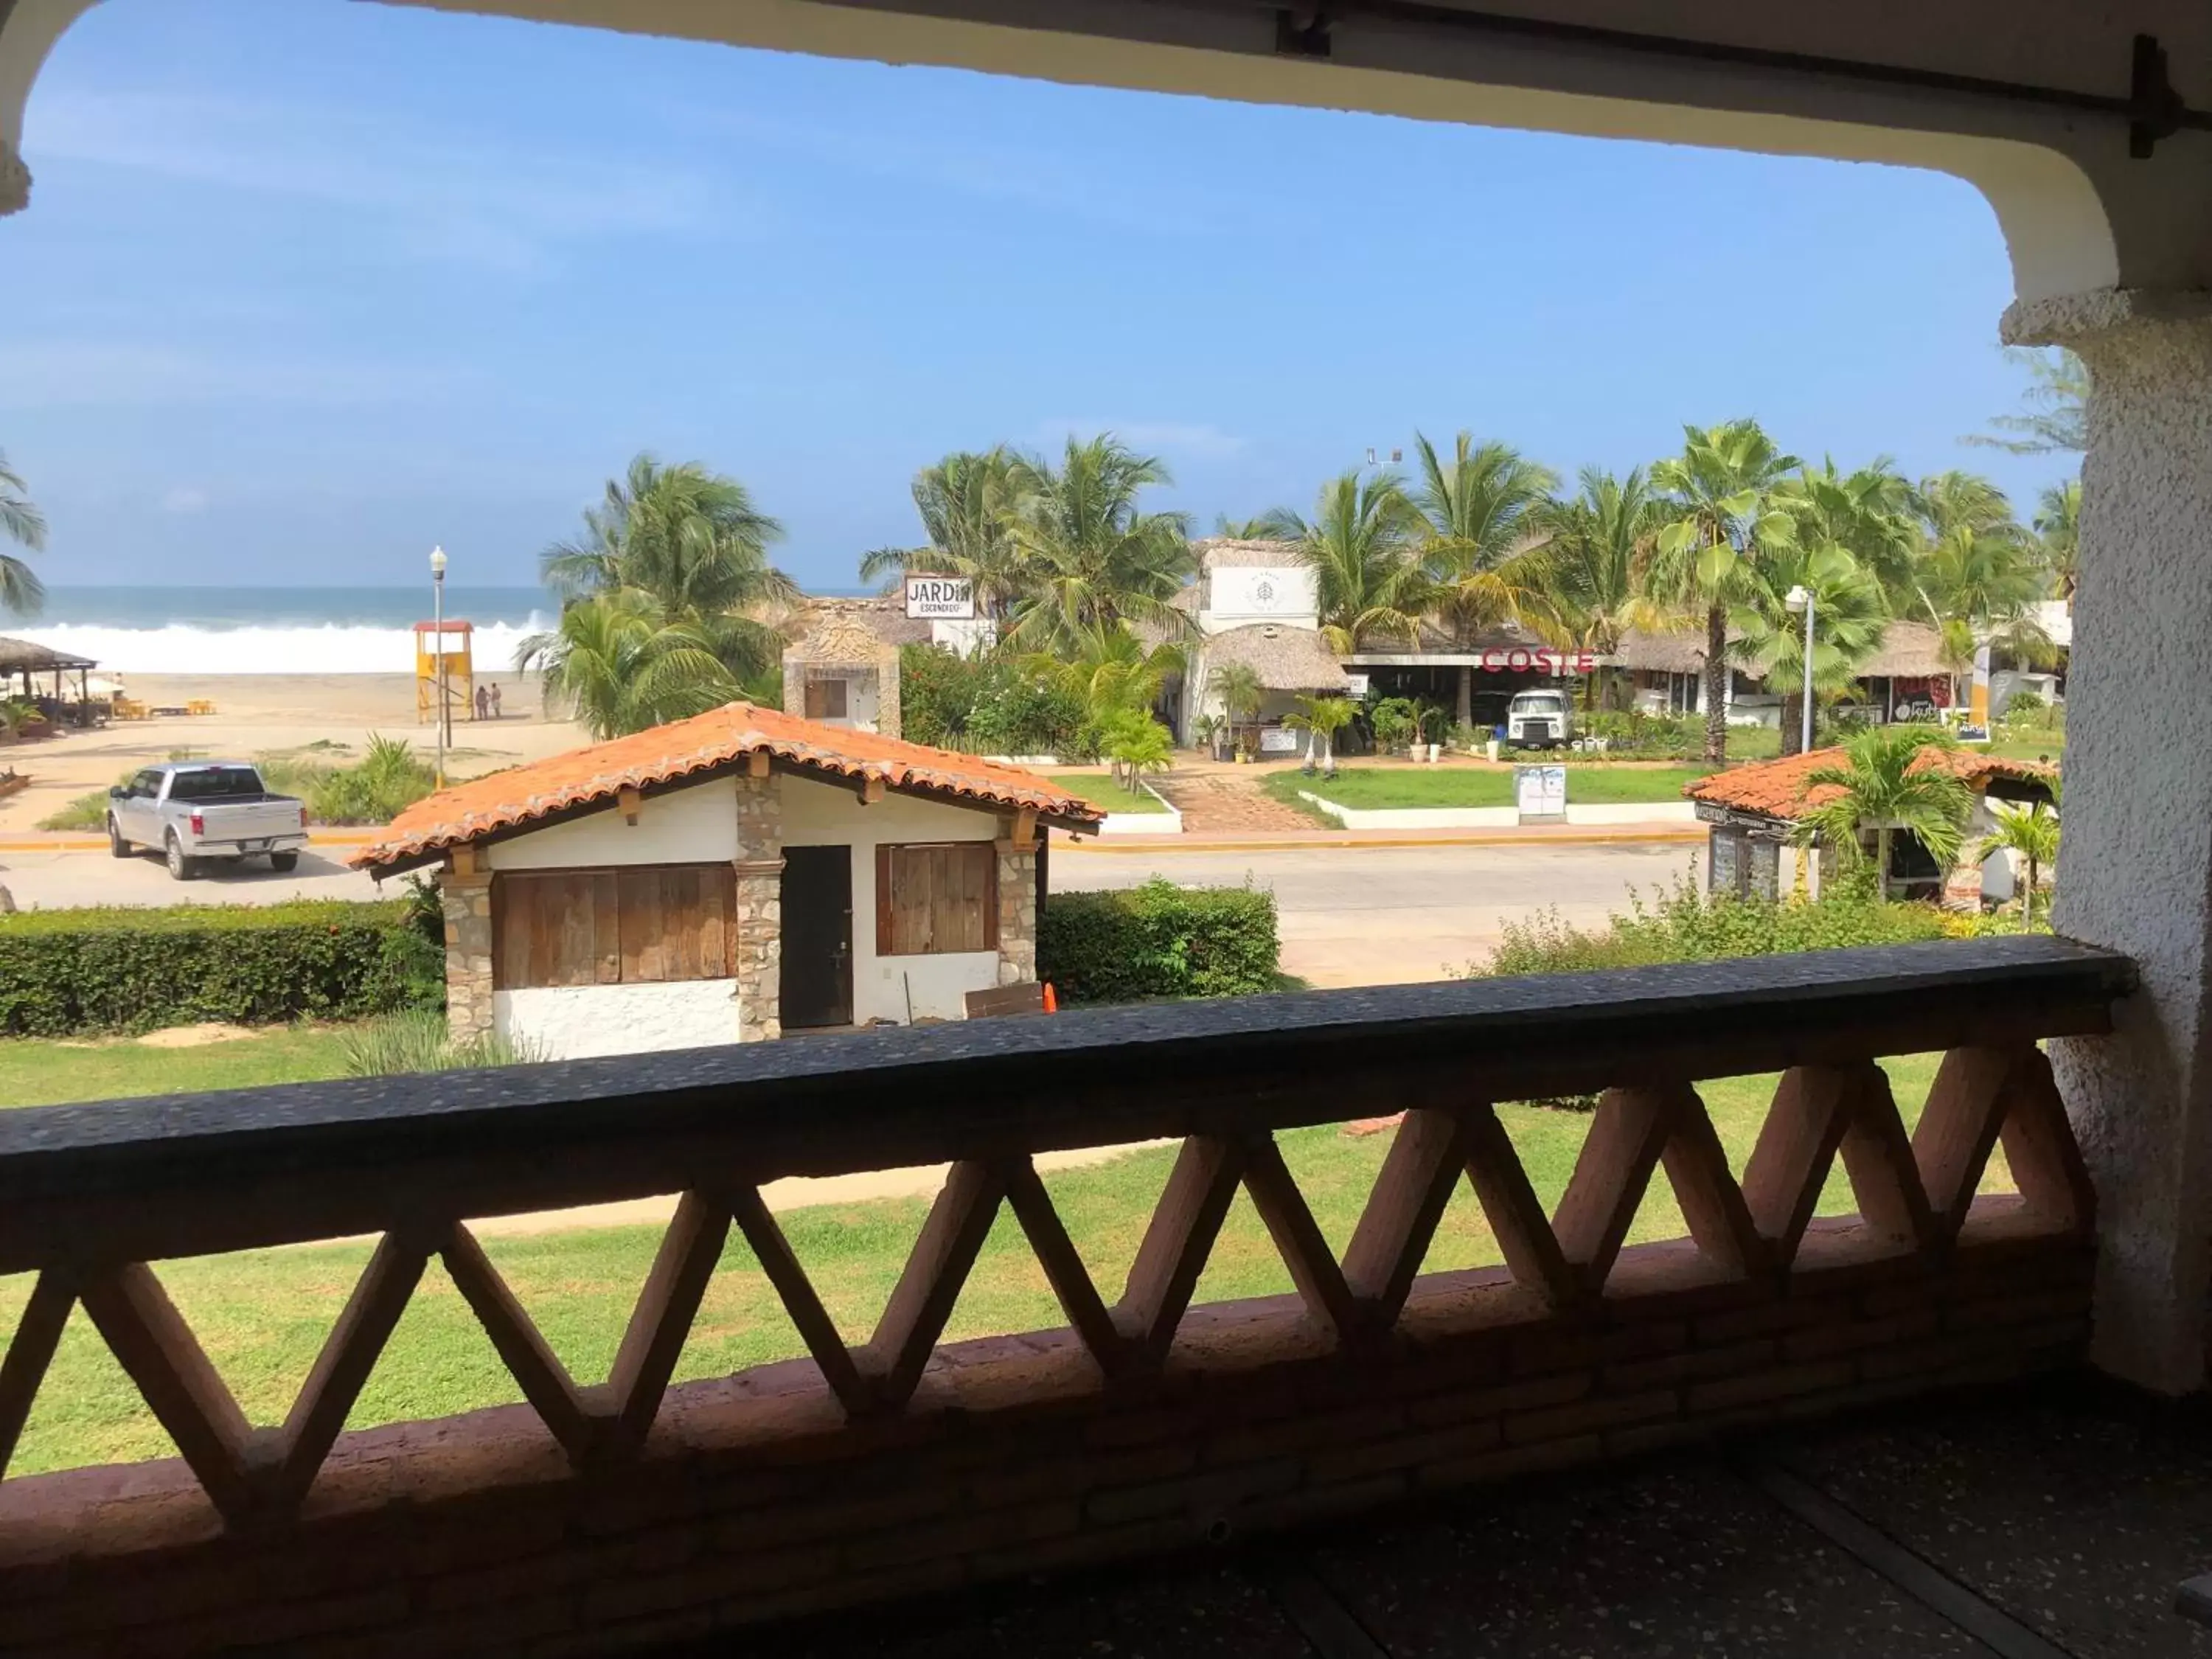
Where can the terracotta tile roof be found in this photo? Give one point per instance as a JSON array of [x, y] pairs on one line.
[[703, 745], [1777, 789]]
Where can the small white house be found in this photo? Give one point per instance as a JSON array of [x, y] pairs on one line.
[[731, 877]]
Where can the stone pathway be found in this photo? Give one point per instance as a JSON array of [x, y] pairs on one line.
[[1226, 801]]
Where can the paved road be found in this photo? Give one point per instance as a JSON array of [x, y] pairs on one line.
[[1377, 916], [1350, 916], [59, 879]]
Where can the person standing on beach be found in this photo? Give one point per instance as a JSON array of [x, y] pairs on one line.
[[495, 699], [483, 704]]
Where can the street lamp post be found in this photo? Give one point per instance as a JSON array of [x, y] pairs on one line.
[[1801, 599], [438, 642]]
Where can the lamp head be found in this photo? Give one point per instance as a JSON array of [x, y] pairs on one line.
[[438, 564], [1797, 599]]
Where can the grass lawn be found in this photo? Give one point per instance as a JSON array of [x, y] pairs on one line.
[[1103, 791], [35, 1072], [262, 1314], [1375, 786], [2027, 744]]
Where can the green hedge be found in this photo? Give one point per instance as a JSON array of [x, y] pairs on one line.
[[1158, 940], [1684, 924], [116, 968]]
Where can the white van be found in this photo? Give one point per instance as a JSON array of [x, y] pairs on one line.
[[1540, 720]]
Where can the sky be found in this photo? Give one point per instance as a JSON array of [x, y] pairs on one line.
[[307, 286]]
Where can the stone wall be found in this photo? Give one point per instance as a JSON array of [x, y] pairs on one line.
[[759, 866], [1017, 915], [467, 903]]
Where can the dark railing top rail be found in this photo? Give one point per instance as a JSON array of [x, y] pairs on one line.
[[320, 1159]]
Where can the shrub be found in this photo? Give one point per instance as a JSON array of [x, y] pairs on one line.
[[418, 1041], [85, 812], [124, 969], [1158, 940], [988, 705], [1684, 924]]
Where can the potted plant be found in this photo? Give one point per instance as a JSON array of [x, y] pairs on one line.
[[1394, 724], [1428, 725]]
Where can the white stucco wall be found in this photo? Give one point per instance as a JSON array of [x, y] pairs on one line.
[[697, 825], [1239, 594], [825, 815], [576, 1022]]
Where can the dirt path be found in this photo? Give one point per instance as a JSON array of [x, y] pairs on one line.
[[921, 1180]]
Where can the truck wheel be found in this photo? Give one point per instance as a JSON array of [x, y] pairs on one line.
[[181, 868], [282, 863], [117, 847]]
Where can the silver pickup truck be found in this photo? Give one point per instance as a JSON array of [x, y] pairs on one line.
[[194, 811]]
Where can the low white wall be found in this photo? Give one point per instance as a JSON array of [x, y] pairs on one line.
[[576, 1022], [1168, 822], [1500, 818]]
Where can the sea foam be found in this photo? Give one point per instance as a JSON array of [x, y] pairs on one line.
[[327, 648]]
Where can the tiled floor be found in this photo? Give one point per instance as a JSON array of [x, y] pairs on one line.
[[2072, 1512]]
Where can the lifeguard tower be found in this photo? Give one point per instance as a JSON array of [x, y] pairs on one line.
[[448, 642]]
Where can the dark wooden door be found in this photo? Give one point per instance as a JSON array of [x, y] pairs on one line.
[[817, 937]]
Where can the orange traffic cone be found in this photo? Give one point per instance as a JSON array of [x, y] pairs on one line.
[[1051, 1001]]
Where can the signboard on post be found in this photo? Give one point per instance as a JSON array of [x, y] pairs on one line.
[[940, 599], [1541, 794]]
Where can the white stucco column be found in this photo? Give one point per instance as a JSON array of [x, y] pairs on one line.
[[2137, 862]]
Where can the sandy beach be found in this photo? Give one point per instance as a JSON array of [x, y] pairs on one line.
[[257, 714]]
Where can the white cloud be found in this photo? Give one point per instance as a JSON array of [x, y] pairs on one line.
[[184, 499], [1177, 437], [442, 195]]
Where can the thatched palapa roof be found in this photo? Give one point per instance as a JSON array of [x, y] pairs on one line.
[[1285, 659], [18, 655]]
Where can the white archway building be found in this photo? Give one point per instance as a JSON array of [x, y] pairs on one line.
[[2048, 108]]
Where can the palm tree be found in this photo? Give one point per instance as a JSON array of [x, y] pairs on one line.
[[1134, 745], [20, 590], [1591, 589], [1321, 718], [1869, 513], [1980, 575], [1481, 515], [1359, 546], [686, 547], [1238, 686], [622, 662], [2057, 417], [2058, 522], [690, 537], [1090, 558], [1110, 670], [2031, 832], [1849, 619], [1882, 785], [963, 501], [1722, 516], [1268, 527]]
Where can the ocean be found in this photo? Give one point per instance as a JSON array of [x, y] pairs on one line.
[[275, 630]]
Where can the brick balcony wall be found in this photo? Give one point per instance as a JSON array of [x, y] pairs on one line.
[[756, 1500]]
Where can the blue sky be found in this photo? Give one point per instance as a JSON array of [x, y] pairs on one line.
[[307, 286]]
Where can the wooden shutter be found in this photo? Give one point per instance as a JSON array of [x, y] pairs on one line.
[[826, 700], [644, 925], [932, 900], [555, 927]]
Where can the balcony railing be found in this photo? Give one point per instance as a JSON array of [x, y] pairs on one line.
[[599, 1515]]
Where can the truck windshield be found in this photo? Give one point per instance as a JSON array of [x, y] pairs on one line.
[[1537, 702], [216, 783]]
